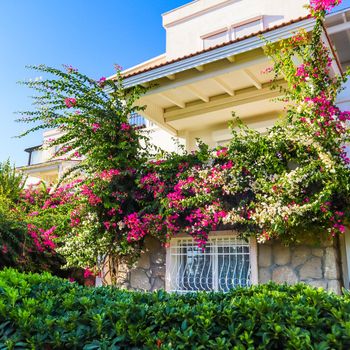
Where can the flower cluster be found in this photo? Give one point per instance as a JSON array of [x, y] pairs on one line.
[[43, 239], [70, 102], [292, 179], [323, 5]]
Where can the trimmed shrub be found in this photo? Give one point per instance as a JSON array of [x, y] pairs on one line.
[[46, 312]]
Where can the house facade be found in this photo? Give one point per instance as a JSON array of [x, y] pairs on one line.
[[43, 165], [213, 66]]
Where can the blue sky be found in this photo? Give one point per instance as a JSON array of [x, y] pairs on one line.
[[88, 34]]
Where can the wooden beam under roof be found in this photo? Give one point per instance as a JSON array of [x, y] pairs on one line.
[[241, 97], [253, 79], [173, 100], [197, 93], [200, 68], [224, 86]]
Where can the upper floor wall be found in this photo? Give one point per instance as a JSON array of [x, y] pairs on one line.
[[202, 24]]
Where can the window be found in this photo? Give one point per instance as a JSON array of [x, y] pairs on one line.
[[36, 157], [246, 28], [214, 39], [224, 264]]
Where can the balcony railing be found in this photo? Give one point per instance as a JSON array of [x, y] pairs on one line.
[[137, 120]]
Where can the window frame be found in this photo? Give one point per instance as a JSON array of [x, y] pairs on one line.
[[253, 257], [233, 27], [214, 33]]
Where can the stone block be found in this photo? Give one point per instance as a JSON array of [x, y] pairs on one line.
[[317, 283], [327, 242], [265, 275], [281, 254], [283, 274], [331, 269], [317, 252], [309, 240], [158, 257], [265, 255], [158, 271], [144, 261], [334, 286], [157, 284], [300, 255], [152, 244], [139, 280], [311, 269]]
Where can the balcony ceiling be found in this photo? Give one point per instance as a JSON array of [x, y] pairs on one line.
[[207, 95]]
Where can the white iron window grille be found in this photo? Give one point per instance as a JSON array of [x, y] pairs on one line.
[[223, 265]]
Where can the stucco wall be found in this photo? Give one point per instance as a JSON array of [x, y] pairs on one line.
[[185, 25], [315, 263]]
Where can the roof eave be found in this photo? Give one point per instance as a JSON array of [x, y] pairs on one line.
[[219, 53], [31, 149]]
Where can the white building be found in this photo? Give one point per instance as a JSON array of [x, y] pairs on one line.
[[212, 67], [44, 165]]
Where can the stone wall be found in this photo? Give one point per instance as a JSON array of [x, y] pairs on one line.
[[315, 263], [149, 273]]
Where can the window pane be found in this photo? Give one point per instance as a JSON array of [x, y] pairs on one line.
[[223, 265], [195, 268], [37, 157], [233, 267]]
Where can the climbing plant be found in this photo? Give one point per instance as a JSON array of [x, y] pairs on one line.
[[291, 181]]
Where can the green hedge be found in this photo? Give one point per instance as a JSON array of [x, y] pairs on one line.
[[45, 312]]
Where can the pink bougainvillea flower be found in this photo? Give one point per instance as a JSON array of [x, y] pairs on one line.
[[70, 102], [118, 67], [95, 127], [112, 212], [87, 273], [227, 165], [107, 175], [324, 5], [221, 152], [102, 81], [125, 127], [70, 69], [76, 155]]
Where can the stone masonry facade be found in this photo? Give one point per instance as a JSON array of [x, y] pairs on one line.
[[314, 263], [149, 272]]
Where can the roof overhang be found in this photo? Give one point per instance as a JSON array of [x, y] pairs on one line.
[[31, 149], [45, 166], [200, 91], [216, 54]]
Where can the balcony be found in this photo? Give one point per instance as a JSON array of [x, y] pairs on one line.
[[137, 120]]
